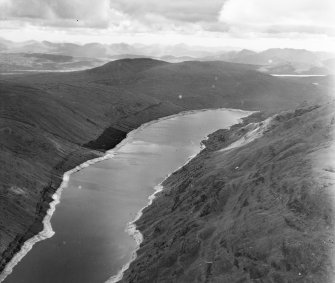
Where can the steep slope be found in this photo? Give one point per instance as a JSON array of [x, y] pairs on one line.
[[51, 122], [256, 205]]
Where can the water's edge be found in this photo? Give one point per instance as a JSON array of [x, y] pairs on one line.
[[132, 229], [47, 231]]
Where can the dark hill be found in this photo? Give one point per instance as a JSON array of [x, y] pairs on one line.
[[228, 84], [50, 123], [124, 70], [128, 66]]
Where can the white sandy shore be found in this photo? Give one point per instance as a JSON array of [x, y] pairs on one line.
[[47, 231]]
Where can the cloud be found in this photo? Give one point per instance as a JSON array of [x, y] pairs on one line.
[[237, 17], [180, 10], [215, 22], [59, 12], [129, 14], [288, 16]]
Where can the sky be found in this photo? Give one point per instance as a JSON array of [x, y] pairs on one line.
[[253, 24]]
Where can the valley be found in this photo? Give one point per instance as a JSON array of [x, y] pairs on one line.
[[52, 122]]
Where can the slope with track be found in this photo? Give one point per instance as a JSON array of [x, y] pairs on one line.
[[256, 205], [51, 122]]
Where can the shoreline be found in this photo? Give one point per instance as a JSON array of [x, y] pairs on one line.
[[132, 228], [297, 75], [209, 222], [47, 231]]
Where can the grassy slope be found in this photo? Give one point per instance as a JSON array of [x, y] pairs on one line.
[[260, 213], [51, 122]]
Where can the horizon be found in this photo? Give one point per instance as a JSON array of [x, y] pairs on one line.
[[231, 24], [212, 49]]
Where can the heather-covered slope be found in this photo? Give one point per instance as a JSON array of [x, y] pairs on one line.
[[260, 212], [51, 122]]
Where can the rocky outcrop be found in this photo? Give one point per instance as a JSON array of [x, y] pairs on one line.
[[260, 212]]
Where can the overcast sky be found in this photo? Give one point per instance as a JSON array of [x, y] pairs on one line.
[[255, 24]]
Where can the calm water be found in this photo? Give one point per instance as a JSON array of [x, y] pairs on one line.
[[302, 76], [90, 243]]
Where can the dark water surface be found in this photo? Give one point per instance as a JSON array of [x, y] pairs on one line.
[[90, 242]]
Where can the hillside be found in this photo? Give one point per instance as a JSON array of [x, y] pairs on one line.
[[52, 122], [256, 205]]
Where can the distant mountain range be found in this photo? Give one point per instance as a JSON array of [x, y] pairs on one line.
[[98, 50], [281, 61], [45, 55]]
